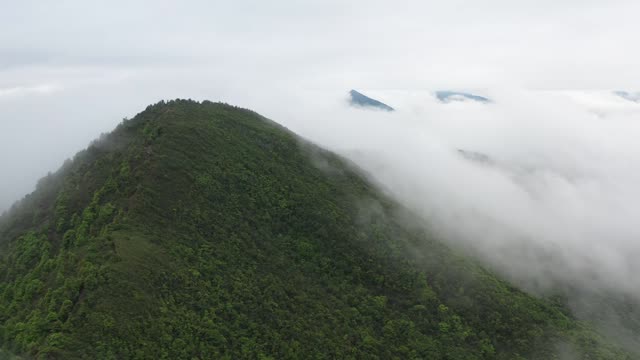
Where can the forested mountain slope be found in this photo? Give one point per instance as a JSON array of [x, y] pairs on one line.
[[202, 230]]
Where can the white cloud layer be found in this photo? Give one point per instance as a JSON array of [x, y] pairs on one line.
[[558, 199]]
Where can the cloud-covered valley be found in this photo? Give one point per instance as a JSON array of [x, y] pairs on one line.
[[556, 201]]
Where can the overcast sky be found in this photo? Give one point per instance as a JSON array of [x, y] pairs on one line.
[[70, 70]]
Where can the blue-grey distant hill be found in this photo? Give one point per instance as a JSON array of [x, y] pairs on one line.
[[360, 100], [635, 97], [475, 156], [446, 96]]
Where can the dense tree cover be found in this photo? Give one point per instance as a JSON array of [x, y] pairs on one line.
[[202, 230]]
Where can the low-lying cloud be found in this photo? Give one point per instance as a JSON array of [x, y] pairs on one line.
[[556, 202]]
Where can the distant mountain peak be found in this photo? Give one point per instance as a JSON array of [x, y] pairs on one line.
[[447, 96], [359, 99], [631, 96], [475, 156]]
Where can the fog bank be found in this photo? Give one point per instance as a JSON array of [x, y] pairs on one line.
[[556, 201]]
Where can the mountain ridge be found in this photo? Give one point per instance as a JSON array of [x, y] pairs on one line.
[[200, 230]]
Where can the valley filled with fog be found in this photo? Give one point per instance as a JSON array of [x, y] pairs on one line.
[[555, 199]]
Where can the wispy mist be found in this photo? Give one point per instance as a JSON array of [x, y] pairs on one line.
[[556, 202]]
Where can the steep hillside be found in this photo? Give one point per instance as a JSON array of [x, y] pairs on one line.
[[202, 230]]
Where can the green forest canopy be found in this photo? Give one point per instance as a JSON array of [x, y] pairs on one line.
[[203, 230]]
